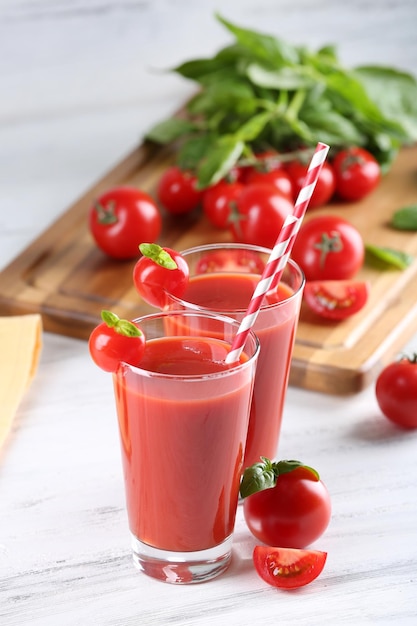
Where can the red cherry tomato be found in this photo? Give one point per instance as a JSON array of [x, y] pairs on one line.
[[328, 247], [336, 299], [121, 218], [276, 177], [292, 514], [177, 191], [154, 276], [357, 173], [115, 341], [219, 202], [262, 210], [396, 392], [288, 568], [325, 186], [264, 162]]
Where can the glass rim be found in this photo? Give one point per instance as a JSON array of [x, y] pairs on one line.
[[124, 366], [236, 246]]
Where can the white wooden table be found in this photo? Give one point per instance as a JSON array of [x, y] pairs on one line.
[[76, 94]]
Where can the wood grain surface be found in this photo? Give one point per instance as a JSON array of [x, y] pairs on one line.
[[66, 278]]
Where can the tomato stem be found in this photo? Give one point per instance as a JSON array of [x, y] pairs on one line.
[[328, 243]]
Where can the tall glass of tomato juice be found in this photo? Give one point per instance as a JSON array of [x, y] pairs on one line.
[[183, 418], [222, 279]]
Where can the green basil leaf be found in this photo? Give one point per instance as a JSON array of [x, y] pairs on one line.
[[388, 257], [405, 218], [333, 128], [253, 127], [396, 94], [283, 467], [284, 78], [193, 150], [262, 46], [258, 477], [200, 69], [169, 130], [217, 164]]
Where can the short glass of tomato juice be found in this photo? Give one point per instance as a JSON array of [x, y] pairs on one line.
[[222, 279], [183, 418]]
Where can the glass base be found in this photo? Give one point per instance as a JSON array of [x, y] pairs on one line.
[[182, 567]]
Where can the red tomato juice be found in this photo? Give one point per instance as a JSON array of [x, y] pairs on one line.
[[229, 293], [183, 441]]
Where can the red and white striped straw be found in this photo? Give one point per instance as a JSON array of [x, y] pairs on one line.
[[280, 253]]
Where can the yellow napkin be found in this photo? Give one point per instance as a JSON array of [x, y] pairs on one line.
[[20, 347]]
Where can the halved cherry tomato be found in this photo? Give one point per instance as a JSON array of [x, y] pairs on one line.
[[158, 272], [357, 173], [121, 218], [115, 341], [396, 392], [219, 201], [336, 299], [288, 568], [177, 191]]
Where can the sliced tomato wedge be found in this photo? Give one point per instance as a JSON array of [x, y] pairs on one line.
[[336, 299], [288, 568]]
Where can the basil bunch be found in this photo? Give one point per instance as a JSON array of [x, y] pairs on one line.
[[261, 92]]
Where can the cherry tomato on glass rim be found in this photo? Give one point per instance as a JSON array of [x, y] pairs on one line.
[[336, 299], [328, 247], [325, 186], [121, 218], [357, 173], [158, 271], [288, 568], [396, 392], [177, 191], [261, 211], [114, 341]]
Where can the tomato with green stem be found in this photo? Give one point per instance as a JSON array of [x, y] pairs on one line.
[[288, 568], [285, 503], [219, 202], [328, 247], [158, 272], [336, 299], [114, 341], [357, 173], [261, 211], [396, 392], [121, 218]]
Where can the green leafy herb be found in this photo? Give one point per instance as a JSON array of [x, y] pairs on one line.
[[158, 255], [121, 326], [388, 257], [261, 92], [264, 475], [405, 218]]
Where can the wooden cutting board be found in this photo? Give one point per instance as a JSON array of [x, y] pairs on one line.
[[64, 277]]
